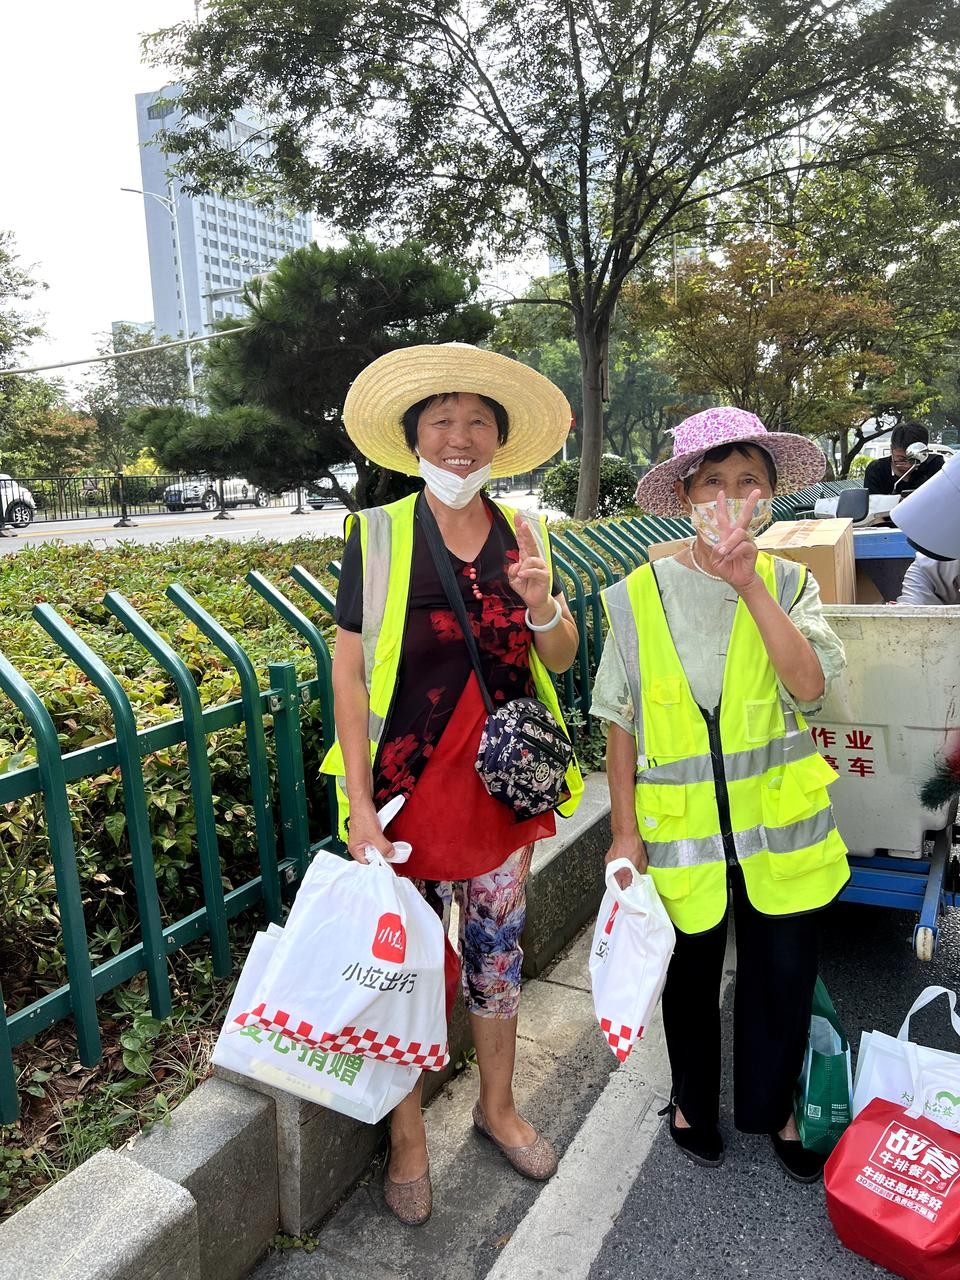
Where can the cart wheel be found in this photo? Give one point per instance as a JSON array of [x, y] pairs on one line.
[[924, 942]]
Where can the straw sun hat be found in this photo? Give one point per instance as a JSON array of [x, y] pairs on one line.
[[798, 460], [539, 414]]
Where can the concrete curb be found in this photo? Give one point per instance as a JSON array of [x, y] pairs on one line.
[[111, 1219], [201, 1198], [566, 879]]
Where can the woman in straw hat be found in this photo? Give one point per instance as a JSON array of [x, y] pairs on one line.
[[407, 697], [713, 657]]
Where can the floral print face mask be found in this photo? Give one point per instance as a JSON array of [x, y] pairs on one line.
[[704, 517]]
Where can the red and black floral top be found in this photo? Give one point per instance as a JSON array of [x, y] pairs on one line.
[[435, 671]]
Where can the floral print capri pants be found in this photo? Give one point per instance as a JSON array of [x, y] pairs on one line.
[[492, 914]]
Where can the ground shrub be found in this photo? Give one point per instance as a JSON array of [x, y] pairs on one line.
[[74, 579], [617, 486]]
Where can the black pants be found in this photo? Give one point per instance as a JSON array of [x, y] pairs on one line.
[[776, 973]]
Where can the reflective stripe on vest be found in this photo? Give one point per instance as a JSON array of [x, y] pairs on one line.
[[386, 548], [782, 830]]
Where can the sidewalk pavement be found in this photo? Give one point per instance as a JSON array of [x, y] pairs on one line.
[[625, 1203], [563, 1066]]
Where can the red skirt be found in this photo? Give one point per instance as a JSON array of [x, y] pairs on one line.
[[455, 826]]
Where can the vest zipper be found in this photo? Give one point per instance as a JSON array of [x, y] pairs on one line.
[[720, 782]]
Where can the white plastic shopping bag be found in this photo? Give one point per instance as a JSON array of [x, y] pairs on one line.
[[885, 1070], [359, 1087], [632, 945], [359, 968]]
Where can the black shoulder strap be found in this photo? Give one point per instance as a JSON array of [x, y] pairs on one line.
[[441, 559]]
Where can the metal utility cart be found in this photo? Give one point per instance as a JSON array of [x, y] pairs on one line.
[[883, 724]]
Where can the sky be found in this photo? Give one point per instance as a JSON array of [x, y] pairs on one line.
[[69, 143]]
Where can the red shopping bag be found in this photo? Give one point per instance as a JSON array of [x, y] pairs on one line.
[[893, 1192]]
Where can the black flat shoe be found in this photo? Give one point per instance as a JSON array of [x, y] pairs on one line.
[[701, 1145], [796, 1161]]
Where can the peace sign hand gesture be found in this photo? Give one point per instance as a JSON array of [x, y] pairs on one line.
[[734, 558], [529, 577]]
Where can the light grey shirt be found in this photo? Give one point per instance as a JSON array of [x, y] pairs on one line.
[[699, 613], [929, 581]]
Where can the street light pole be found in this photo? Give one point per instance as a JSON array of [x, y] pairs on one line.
[[169, 203]]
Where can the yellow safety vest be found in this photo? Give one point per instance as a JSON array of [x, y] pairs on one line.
[[386, 548], [750, 769]]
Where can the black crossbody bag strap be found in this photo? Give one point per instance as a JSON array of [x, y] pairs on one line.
[[441, 559]]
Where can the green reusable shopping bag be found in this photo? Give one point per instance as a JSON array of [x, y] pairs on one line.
[[825, 1089]]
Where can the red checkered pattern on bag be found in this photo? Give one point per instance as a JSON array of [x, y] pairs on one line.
[[367, 1043], [620, 1038]]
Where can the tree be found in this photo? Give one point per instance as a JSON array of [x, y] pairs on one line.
[[115, 388], [276, 390], [833, 296], [17, 329], [44, 437], [755, 330], [644, 399], [591, 128]]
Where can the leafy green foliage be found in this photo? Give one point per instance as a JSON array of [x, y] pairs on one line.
[[644, 399], [114, 389], [69, 1111], [276, 390], [74, 579], [617, 486], [597, 130]]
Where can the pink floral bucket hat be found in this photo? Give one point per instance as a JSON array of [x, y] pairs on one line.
[[798, 460]]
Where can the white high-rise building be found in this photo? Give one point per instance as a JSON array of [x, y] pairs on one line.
[[223, 242]]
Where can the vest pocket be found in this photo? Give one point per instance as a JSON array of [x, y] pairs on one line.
[[666, 723], [763, 719], [796, 792], [787, 866], [671, 882], [662, 799]]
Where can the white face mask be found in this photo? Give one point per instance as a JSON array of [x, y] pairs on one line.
[[704, 517], [453, 490]]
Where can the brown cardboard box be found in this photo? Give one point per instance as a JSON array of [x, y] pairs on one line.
[[657, 550], [824, 546]]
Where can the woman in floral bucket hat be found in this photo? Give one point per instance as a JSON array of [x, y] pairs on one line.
[[713, 658]]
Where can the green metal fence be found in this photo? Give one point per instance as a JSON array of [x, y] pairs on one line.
[[279, 805]]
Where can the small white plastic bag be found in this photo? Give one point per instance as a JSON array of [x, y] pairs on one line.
[[632, 945]]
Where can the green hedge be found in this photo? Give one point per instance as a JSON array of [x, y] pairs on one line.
[[74, 579]]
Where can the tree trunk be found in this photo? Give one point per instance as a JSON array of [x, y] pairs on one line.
[[592, 343]]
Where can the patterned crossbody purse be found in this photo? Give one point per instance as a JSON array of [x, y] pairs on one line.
[[523, 754]]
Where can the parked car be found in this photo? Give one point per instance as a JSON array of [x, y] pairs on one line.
[[203, 492], [16, 502], [321, 493]]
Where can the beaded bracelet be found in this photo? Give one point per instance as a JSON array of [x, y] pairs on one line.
[[547, 626]]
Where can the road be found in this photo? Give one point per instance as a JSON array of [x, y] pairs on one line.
[[275, 523], [626, 1204]]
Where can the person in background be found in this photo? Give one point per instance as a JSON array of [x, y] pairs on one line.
[[713, 657], [899, 474], [931, 580]]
